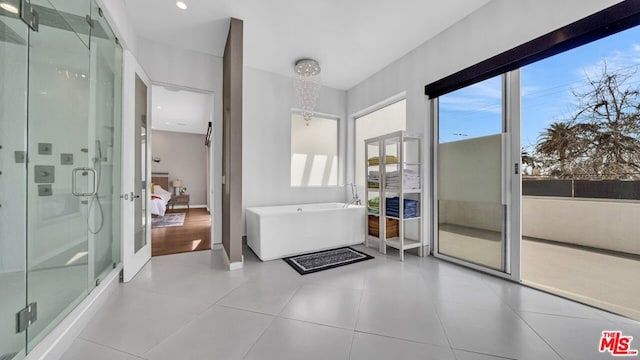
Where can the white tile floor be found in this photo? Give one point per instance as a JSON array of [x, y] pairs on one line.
[[187, 307]]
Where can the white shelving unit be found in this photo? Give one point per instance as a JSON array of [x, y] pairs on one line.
[[399, 162]]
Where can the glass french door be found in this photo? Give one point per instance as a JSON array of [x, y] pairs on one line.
[[136, 251], [140, 196], [476, 216]]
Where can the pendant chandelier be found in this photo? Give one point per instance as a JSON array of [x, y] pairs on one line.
[[307, 86]]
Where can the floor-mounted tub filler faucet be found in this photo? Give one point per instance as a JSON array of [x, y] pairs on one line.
[[355, 199]]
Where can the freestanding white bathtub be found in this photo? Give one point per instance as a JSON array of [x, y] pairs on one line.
[[278, 231]]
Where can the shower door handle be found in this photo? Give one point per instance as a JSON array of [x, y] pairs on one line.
[[85, 172]]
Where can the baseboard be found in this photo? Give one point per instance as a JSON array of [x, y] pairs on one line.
[[54, 345], [236, 265]]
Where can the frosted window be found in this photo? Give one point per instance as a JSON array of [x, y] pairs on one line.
[[314, 151], [383, 121]]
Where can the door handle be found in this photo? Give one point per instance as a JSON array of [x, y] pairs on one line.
[[85, 171]]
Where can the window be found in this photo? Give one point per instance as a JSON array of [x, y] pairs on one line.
[[314, 151], [383, 121]]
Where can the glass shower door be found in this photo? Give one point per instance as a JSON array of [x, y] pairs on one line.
[[61, 175], [105, 126], [14, 37]]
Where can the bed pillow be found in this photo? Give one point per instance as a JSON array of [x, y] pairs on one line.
[[159, 191]]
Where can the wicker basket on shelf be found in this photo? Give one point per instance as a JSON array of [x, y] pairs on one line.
[[391, 227]]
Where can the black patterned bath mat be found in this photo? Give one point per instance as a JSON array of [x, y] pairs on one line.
[[326, 259]]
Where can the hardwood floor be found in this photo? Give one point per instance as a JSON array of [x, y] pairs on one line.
[[194, 235]]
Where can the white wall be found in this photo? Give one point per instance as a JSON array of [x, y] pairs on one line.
[[496, 27], [196, 71], [118, 17], [267, 103], [171, 65], [184, 157]]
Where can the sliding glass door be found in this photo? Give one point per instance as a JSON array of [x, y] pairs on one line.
[[581, 182], [474, 179]]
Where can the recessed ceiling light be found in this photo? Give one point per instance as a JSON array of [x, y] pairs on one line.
[[159, 107], [9, 7], [181, 5]]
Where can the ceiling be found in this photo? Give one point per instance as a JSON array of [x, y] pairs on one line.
[[352, 39], [180, 110]]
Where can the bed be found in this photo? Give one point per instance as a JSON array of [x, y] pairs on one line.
[[160, 196]]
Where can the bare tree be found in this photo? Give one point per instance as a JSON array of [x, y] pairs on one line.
[[602, 137]]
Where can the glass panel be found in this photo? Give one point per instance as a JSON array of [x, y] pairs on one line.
[[314, 151], [470, 210], [581, 174], [59, 151], [141, 165], [67, 15], [105, 122], [13, 179], [380, 122]]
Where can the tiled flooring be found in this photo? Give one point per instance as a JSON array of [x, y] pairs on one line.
[[186, 306]]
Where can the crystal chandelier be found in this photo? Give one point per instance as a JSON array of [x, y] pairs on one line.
[[307, 85]]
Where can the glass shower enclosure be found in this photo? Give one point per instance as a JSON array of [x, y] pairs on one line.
[[60, 126]]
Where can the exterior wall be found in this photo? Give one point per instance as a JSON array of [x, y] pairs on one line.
[[604, 224]]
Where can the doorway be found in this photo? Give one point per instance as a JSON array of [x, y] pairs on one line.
[[181, 155]]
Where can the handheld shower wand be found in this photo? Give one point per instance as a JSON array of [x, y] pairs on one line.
[[95, 199]]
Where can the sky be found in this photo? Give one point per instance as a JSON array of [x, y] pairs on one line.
[[546, 90]]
